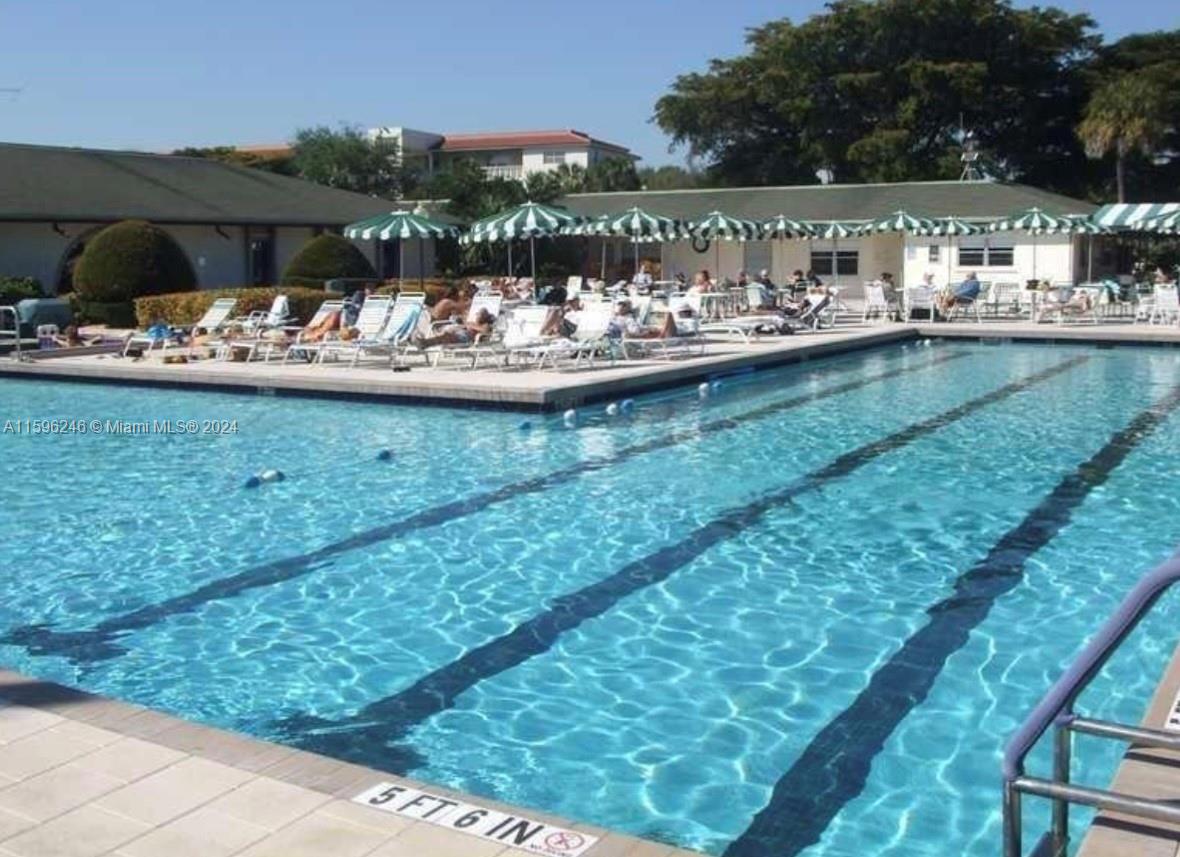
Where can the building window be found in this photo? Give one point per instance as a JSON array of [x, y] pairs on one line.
[[933, 253], [829, 263], [553, 158], [988, 255], [757, 256]]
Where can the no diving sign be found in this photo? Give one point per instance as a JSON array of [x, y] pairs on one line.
[[514, 831]]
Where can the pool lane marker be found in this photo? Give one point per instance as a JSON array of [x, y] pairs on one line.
[[367, 736], [834, 767], [100, 642]]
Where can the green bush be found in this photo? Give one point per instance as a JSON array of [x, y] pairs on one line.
[[116, 314], [327, 257], [185, 308], [130, 259], [13, 290]]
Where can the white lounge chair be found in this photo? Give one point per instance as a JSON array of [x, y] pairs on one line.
[[301, 346], [1060, 309], [588, 339], [1165, 307], [490, 303], [877, 305], [920, 299], [522, 336], [369, 326], [215, 318]]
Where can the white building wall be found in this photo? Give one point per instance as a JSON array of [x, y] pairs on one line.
[[1044, 257], [36, 250], [219, 258]]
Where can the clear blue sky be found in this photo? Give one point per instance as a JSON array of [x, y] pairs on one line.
[[163, 74]]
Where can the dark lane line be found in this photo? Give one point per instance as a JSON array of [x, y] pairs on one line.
[[834, 767], [99, 643], [366, 736]]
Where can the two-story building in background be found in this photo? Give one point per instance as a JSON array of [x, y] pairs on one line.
[[502, 154]]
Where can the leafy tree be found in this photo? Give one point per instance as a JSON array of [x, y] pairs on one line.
[[876, 91], [346, 159], [611, 174], [282, 164], [1155, 56], [1124, 116], [669, 177]]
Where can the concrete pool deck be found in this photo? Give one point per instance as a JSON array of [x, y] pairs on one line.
[[84, 776], [549, 389], [1144, 772]]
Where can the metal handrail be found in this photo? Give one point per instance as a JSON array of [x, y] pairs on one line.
[[4, 310], [1056, 709]]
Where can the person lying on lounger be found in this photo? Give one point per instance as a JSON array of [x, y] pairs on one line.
[[460, 334], [626, 325], [72, 338], [563, 320], [453, 304]]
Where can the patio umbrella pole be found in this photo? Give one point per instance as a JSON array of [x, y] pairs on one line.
[[421, 261], [1089, 258], [509, 242], [401, 262], [602, 271], [635, 241], [948, 260], [533, 258]]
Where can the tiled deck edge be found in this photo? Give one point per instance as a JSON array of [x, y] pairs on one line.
[[326, 776], [1148, 773]]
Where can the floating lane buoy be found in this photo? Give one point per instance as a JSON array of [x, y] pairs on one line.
[[255, 480], [385, 455], [627, 405], [716, 385], [703, 390], [525, 425], [570, 418], [612, 410]]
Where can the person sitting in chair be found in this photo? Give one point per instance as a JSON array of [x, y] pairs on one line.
[[965, 292], [460, 333]]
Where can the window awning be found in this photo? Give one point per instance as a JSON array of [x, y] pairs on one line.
[[1132, 215]]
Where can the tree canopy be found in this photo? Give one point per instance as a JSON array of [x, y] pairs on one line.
[[346, 159], [878, 91]]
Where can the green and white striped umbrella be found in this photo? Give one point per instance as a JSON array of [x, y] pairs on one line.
[[835, 230], [1081, 224], [716, 226], [1034, 220], [641, 225], [1169, 224], [400, 225], [900, 221], [954, 226], [591, 226], [781, 226], [530, 220]]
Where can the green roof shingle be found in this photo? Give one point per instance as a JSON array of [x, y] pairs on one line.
[[973, 200], [43, 183]]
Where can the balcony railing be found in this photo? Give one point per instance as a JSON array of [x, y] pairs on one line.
[[504, 171]]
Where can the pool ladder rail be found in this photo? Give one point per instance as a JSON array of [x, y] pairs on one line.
[[12, 335], [1056, 711]]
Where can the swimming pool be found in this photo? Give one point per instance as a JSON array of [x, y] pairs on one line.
[[798, 615]]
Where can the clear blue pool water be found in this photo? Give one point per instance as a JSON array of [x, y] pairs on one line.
[[646, 623]]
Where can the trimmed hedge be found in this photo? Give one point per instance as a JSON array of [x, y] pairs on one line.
[[186, 308], [13, 290], [130, 259], [327, 257]]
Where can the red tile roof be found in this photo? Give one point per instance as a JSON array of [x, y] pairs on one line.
[[521, 139]]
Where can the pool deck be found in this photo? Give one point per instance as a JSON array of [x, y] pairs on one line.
[[1144, 772], [84, 776], [550, 389]]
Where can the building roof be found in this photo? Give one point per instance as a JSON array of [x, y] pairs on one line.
[[50, 183], [523, 139], [969, 200]]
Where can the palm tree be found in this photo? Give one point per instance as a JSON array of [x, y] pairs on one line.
[[1124, 115]]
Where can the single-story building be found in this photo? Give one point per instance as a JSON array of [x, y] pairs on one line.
[[238, 226], [1000, 256]]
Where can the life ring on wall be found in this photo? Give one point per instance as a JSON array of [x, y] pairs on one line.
[[700, 244]]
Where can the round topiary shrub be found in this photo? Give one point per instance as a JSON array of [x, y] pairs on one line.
[[130, 259], [327, 257]]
